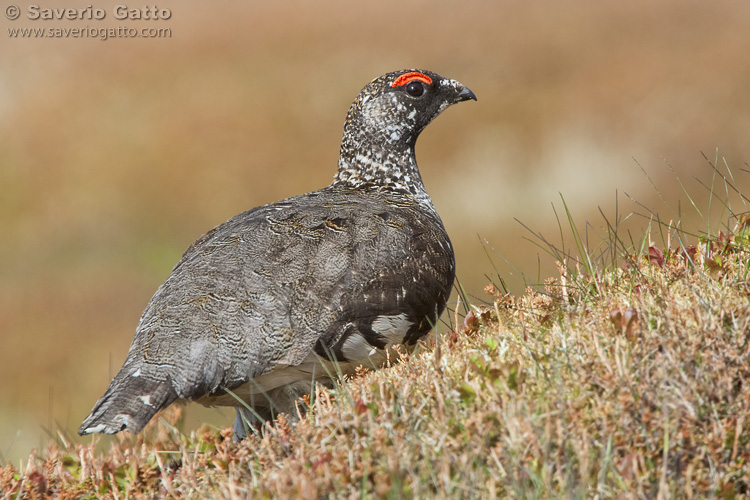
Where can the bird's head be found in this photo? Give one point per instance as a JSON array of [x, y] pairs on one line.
[[385, 120]]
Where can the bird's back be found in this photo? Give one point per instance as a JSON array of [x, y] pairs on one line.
[[336, 274]]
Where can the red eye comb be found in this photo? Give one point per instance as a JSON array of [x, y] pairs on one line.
[[407, 77]]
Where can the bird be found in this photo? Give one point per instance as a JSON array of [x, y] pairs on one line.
[[289, 294]]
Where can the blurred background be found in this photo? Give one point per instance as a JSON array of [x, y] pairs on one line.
[[117, 154]]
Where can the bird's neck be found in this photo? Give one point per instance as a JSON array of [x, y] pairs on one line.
[[379, 161]]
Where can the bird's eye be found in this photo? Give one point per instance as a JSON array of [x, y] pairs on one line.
[[414, 88]]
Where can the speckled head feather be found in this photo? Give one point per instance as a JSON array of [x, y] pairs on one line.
[[382, 126]]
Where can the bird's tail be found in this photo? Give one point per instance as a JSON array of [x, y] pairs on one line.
[[130, 402]]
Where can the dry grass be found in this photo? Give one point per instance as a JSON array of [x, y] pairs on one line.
[[627, 383]]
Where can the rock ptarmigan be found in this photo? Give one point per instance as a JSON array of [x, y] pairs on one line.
[[290, 293]]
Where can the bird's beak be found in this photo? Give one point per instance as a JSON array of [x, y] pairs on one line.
[[465, 95]]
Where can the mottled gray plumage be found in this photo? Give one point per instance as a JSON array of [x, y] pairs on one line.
[[265, 304]]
